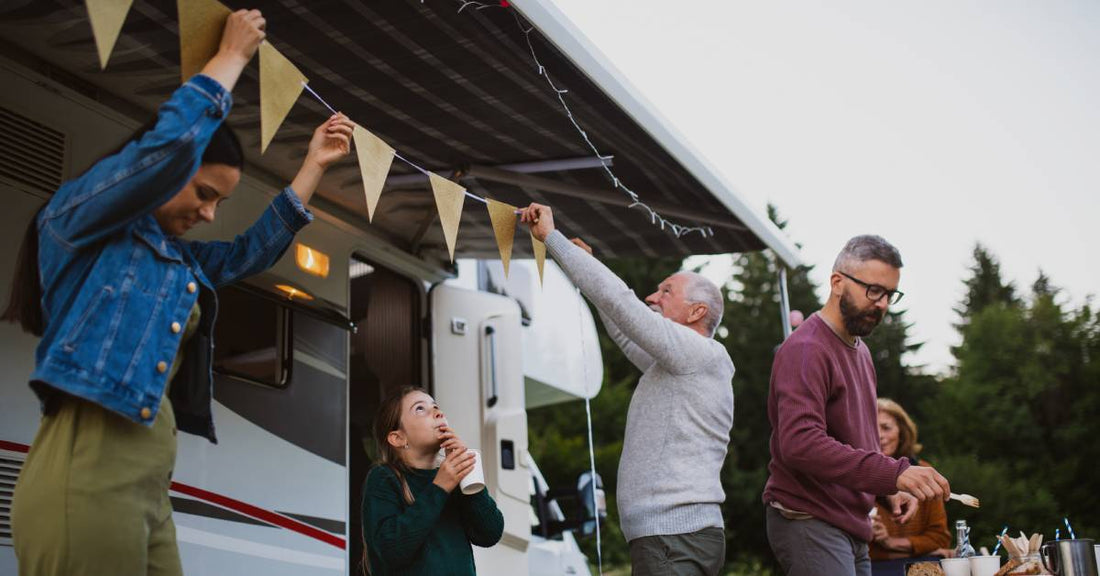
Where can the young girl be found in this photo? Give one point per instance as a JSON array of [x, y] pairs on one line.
[[414, 520], [126, 309]]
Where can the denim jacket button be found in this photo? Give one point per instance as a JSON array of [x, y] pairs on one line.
[[162, 366], [175, 327], [191, 287], [146, 413], [215, 111]]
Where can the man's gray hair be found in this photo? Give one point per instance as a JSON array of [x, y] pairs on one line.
[[701, 290], [864, 248]]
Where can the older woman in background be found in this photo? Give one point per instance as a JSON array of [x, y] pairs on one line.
[[926, 533]]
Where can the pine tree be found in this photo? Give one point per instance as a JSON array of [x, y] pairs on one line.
[[985, 287], [1018, 419], [890, 345], [752, 331]]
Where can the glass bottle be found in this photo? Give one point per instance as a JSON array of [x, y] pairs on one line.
[[963, 549]]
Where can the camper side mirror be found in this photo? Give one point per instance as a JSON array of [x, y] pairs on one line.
[[593, 502], [584, 503]]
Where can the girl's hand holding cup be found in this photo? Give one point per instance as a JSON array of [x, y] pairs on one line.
[[456, 466], [450, 441], [472, 480]]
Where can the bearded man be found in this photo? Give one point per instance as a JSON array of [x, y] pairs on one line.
[[826, 467]]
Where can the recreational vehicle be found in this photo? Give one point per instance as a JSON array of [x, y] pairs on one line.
[[357, 307]]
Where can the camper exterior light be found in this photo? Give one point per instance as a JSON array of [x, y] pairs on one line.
[[292, 292], [311, 260]]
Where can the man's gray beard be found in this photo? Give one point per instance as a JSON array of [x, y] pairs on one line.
[[858, 323]]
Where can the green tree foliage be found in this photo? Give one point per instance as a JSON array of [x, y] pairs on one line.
[[1014, 424], [1018, 422], [985, 287], [890, 345], [751, 329]]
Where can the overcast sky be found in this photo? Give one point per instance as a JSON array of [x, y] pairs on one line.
[[937, 124]]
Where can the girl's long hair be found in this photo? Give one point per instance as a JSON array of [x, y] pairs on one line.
[[388, 420], [25, 300]]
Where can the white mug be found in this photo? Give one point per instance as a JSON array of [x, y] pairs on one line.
[[955, 566], [474, 482], [984, 565]]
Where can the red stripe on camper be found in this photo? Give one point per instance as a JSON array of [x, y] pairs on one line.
[[14, 446], [235, 505], [260, 514]]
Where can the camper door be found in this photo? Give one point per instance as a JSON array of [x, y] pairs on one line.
[[478, 382]]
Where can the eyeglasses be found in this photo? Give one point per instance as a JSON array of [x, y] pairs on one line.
[[874, 291]]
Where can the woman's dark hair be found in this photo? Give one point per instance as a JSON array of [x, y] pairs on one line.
[[25, 301], [224, 148]]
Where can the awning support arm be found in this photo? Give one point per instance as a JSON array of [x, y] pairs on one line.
[[784, 301]]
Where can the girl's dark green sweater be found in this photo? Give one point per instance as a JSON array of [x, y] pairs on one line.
[[432, 536]]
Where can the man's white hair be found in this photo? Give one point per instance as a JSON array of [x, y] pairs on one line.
[[699, 289]]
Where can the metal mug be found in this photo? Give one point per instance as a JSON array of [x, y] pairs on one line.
[[1069, 557]]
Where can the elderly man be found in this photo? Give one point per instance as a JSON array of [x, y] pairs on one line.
[[678, 424], [826, 466]]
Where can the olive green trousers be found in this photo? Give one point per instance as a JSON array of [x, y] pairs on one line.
[[92, 497]]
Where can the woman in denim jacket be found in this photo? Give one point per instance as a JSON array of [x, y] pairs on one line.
[[125, 308]]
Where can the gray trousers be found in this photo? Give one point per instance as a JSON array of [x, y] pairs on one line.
[[815, 548], [701, 553]]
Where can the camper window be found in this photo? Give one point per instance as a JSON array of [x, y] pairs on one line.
[[253, 339]]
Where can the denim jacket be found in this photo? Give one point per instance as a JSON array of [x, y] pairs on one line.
[[117, 290]]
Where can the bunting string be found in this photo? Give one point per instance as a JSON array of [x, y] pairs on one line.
[[396, 154], [281, 83], [450, 210]]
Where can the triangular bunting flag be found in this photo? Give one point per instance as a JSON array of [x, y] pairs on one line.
[[503, 217], [201, 23], [448, 200], [375, 157], [540, 254], [280, 85], [107, 17]]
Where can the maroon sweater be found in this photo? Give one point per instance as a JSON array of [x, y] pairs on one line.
[[826, 460]]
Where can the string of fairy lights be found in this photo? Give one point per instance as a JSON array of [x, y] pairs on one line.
[[655, 217]]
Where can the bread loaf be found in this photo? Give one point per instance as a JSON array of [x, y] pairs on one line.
[[925, 569]]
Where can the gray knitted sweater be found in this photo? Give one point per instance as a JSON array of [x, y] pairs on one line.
[[678, 424]]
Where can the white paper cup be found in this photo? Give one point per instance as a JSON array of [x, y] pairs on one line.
[[474, 482], [955, 566], [984, 565]]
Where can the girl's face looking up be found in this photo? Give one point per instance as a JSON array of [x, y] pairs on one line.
[[421, 419]]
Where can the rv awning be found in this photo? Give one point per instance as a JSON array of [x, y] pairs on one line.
[[456, 92]]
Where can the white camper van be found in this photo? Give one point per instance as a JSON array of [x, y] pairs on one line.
[[301, 363], [305, 351]]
